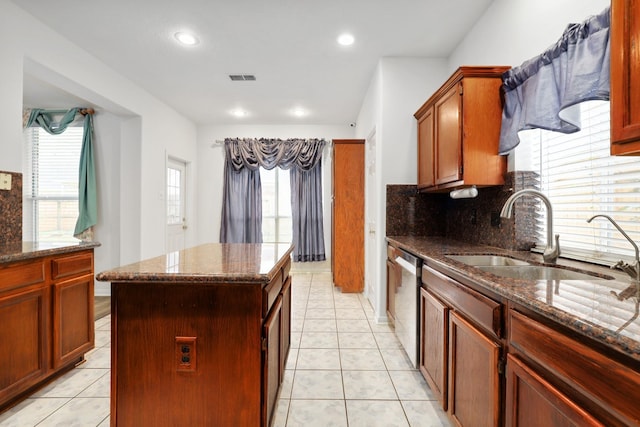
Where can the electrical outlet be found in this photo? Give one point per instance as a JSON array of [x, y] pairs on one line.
[[5, 181], [185, 354]]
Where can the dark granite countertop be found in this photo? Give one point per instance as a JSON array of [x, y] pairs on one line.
[[601, 309], [209, 263], [20, 251]]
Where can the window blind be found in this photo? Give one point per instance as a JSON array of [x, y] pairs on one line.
[[581, 179], [51, 184]]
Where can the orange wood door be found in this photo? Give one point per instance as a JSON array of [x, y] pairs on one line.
[[448, 131], [625, 77], [348, 215]]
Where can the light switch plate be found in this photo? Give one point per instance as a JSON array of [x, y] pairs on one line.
[[5, 181]]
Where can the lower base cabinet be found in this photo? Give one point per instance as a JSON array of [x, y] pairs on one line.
[[434, 344], [474, 382], [532, 401]]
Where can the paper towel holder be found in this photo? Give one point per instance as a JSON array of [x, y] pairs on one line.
[[464, 193]]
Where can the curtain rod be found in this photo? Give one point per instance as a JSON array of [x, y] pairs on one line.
[[220, 142], [83, 111]]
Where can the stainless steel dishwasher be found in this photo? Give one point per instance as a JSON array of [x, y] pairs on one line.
[[407, 307]]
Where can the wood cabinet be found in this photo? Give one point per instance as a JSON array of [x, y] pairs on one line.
[[347, 243], [460, 349], [394, 280], [531, 401], [474, 380], [240, 328], [625, 77], [459, 132], [46, 312], [434, 344], [570, 380]]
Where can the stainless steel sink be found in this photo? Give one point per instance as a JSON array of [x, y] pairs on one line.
[[539, 272], [487, 260]]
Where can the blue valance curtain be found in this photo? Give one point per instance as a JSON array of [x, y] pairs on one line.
[[87, 195], [544, 91], [242, 194]]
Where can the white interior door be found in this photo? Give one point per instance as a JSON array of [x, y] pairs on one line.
[[176, 193]]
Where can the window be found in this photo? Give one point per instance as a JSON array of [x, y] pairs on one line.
[[581, 179], [276, 206], [50, 185]]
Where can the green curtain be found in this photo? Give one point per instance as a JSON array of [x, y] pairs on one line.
[[87, 195]]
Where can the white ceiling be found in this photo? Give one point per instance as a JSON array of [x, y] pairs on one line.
[[289, 45]]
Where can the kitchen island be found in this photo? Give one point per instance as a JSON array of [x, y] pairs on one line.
[[200, 336]]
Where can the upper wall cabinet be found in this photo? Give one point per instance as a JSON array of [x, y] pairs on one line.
[[459, 132], [625, 77]]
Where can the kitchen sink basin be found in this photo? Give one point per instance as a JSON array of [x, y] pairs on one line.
[[487, 260], [539, 272]]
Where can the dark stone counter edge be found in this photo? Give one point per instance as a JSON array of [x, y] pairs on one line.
[[510, 289], [115, 276], [37, 253]]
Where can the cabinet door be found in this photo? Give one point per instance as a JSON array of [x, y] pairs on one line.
[[426, 171], [23, 342], [532, 402], [434, 343], [625, 77], [391, 290], [271, 360], [73, 324], [285, 329], [474, 383], [448, 136]]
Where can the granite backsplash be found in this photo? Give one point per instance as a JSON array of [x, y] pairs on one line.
[[11, 211], [477, 220]]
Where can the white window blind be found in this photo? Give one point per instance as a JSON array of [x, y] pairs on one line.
[[50, 185], [581, 179], [277, 224]]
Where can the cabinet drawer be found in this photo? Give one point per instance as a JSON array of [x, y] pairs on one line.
[[484, 311], [19, 275], [270, 292], [71, 265], [609, 384]]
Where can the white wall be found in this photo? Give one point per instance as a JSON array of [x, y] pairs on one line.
[[512, 31], [134, 134], [399, 87], [211, 168]]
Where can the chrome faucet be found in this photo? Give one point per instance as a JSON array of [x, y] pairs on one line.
[[631, 270], [551, 252]]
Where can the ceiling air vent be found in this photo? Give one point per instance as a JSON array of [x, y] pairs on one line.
[[242, 77]]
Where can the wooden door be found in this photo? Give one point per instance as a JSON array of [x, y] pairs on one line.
[[271, 361], [448, 136], [285, 328], [625, 77], [474, 384], [434, 342], [348, 215], [426, 171], [532, 402]]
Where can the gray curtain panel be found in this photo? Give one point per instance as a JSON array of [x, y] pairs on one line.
[[544, 92], [242, 198], [241, 205], [306, 209]]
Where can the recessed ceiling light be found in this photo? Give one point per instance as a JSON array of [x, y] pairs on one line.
[[239, 113], [346, 39], [298, 112], [186, 39]]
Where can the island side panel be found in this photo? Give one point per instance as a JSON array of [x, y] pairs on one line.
[[151, 388]]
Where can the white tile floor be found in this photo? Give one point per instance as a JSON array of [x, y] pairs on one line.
[[343, 370]]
